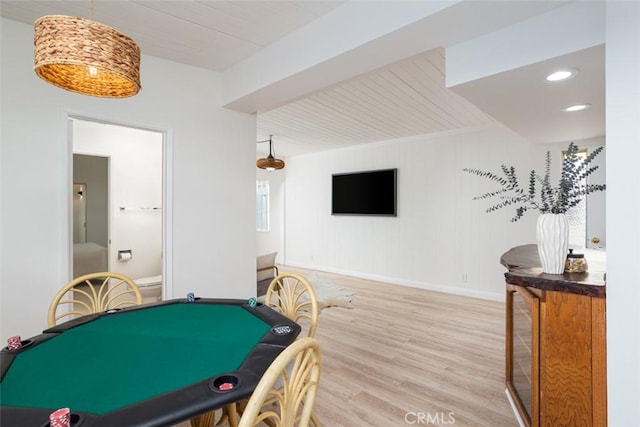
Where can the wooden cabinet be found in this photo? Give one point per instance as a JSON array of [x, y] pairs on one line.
[[522, 353], [555, 345]]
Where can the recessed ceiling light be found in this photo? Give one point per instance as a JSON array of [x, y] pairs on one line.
[[563, 74], [576, 107]]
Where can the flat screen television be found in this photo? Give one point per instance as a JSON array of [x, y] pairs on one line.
[[364, 193]]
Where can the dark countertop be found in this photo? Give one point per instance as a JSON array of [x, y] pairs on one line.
[[524, 270]]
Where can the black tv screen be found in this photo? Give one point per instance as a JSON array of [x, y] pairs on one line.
[[364, 193]]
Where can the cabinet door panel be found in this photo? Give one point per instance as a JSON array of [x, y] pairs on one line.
[[523, 320], [566, 356]]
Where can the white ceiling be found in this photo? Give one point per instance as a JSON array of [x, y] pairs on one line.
[[522, 98], [208, 34], [402, 99]]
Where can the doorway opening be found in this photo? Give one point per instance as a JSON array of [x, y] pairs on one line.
[[120, 173]]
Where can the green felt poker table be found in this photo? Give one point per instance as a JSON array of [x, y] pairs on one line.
[[150, 365]]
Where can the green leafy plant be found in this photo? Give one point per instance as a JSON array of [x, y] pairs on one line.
[[540, 195]]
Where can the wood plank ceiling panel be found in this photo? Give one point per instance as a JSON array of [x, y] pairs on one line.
[[209, 34], [426, 90], [404, 99], [390, 108], [221, 49], [348, 104], [259, 23], [416, 113], [338, 122], [427, 77]]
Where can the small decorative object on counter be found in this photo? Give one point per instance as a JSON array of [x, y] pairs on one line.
[[576, 263]]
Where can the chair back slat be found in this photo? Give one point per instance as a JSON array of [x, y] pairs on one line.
[[93, 293], [294, 297], [297, 370]]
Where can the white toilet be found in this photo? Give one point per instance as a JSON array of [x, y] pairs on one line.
[[150, 287]]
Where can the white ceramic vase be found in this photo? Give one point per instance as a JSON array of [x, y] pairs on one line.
[[552, 234]]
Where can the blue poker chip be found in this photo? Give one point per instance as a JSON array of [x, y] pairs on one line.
[[191, 297], [252, 302]]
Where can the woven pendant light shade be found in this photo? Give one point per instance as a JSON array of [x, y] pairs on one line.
[[270, 163], [85, 56]]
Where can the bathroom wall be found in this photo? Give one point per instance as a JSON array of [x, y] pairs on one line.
[[135, 184], [92, 171]]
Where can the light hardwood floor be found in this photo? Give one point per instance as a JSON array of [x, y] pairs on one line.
[[403, 356]]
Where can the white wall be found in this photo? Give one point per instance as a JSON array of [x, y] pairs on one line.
[[623, 204], [135, 183], [213, 213], [441, 238], [273, 241]]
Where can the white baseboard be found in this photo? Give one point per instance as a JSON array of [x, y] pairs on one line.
[[410, 283]]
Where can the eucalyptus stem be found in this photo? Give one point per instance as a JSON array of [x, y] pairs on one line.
[[571, 188]]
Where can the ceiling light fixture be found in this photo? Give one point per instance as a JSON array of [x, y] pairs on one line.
[[563, 74], [269, 163], [84, 56], [576, 107]]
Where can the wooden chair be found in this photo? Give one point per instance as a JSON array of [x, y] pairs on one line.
[[286, 393], [292, 295], [93, 293]]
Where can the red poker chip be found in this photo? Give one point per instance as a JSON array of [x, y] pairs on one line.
[[60, 412], [60, 418], [225, 386], [14, 343]]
